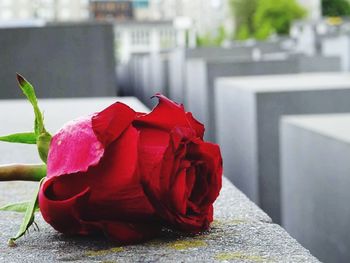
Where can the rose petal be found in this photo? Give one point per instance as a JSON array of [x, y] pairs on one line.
[[184, 222], [178, 193], [63, 215], [112, 121], [118, 166], [74, 149], [211, 156], [166, 115], [196, 125], [127, 233], [128, 204], [152, 145]]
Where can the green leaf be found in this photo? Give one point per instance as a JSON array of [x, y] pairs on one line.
[[20, 207], [27, 137], [28, 217]]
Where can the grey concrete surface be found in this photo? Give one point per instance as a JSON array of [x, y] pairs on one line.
[[315, 181], [248, 110], [201, 74], [62, 60], [241, 232]]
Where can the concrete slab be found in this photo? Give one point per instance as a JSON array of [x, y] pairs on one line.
[[61, 60], [201, 74], [177, 64], [248, 110], [241, 231], [315, 165], [155, 71]]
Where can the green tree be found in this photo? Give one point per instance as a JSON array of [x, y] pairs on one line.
[[243, 32], [216, 39], [273, 16], [243, 12], [335, 8], [261, 18]]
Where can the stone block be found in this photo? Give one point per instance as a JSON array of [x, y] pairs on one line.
[[156, 68], [201, 74], [315, 165], [61, 60], [337, 45], [177, 64], [248, 110], [240, 232]]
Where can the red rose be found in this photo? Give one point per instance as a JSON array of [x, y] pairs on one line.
[[119, 172], [93, 184], [181, 174]]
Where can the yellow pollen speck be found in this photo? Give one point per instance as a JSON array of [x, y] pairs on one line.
[[241, 256], [182, 245], [96, 253]]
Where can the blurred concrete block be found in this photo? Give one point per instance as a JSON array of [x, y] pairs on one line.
[[159, 66], [177, 64], [315, 181], [156, 69], [248, 110], [123, 79], [337, 45], [139, 74], [61, 60], [201, 74], [133, 69]]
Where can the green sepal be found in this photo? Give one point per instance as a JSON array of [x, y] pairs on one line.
[[26, 137], [28, 219], [19, 207], [43, 138], [43, 143], [29, 92]]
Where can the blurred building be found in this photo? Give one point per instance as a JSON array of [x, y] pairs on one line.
[[143, 26], [207, 16], [137, 37], [48, 10], [112, 10]]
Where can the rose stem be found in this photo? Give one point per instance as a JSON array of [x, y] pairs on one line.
[[22, 172]]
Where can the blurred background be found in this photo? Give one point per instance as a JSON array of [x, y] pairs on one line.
[[268, 78]]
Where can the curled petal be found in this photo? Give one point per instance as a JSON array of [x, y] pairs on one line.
[[166, 115], [196, 125], [63, 215]]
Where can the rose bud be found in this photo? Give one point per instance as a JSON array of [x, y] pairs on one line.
[[93, 182], [180, 172]]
